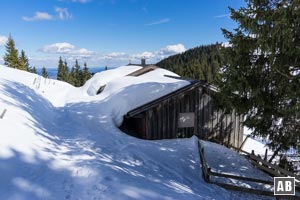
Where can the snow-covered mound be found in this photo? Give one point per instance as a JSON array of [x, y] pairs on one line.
[[101, 79], [61, 142]]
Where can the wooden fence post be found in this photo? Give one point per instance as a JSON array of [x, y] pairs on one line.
[[266, 154], [243, 143], [3, 113]]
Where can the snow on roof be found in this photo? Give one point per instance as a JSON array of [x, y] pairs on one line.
[[102, 78], [128, 91]]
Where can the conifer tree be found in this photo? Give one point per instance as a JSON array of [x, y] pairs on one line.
[[62, 71], [11, 58], [77, 75], [23, 61], [66, 71], [72, 76], [86, 75], [44, 72], [33, 70], [261, 71]]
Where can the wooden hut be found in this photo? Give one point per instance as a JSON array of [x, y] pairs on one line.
[[191, 110]]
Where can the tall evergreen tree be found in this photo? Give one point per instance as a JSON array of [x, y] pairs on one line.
[[261, 71], [62, 71], [66, 71], [44, 72], [72, 76], [11, 58], [86, 75], [77, 72], [23, 61]]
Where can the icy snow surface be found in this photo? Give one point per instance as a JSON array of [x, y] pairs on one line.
[[61, 142]]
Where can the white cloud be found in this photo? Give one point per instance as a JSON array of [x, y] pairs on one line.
[[146, 55], [39, 16], [70, 52], [162, 21], [172, 49], [63, 13], [82, 52], [156, 56], [3, 40], [116, 55], [66, 48], [63, 48]]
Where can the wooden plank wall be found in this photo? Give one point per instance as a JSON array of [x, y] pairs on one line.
[[161, 122]]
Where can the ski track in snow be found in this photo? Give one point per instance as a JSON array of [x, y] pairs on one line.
[[60, 142]]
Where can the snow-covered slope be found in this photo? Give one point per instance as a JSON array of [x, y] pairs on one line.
[[258, 146], [61, 142]]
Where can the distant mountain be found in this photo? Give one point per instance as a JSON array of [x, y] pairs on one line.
[[201, 63]]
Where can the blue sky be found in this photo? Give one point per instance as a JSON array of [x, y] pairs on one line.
[[111, 32]]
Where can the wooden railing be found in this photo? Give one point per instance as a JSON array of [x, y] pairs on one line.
[[273, 169], [205, 169], [208, 172], [268, 167]]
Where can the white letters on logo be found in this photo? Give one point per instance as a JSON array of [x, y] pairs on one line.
[[280, 186], [288, 186]]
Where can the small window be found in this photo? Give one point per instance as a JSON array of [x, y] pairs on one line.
[[100, 89]]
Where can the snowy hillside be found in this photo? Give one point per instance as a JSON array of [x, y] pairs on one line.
[[61, 142]]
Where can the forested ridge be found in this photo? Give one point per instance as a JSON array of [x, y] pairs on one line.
[[202, 62]]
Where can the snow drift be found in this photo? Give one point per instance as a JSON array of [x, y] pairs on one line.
[[61, 142]]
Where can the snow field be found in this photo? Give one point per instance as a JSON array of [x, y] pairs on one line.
[[61, 142]]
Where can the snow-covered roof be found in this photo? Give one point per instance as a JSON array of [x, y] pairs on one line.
[[128, 91]]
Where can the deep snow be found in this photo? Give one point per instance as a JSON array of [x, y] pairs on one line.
[[61, 142]]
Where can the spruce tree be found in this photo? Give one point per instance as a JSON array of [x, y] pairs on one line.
[[66, 71], [23, 61], [44, 72], [63, 70], [77, 74], [60, 69], [86, 75], [33, 70], [261, 72], [72, 76], [11, 58]]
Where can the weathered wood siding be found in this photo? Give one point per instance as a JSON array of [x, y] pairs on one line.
[[161, 121]]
